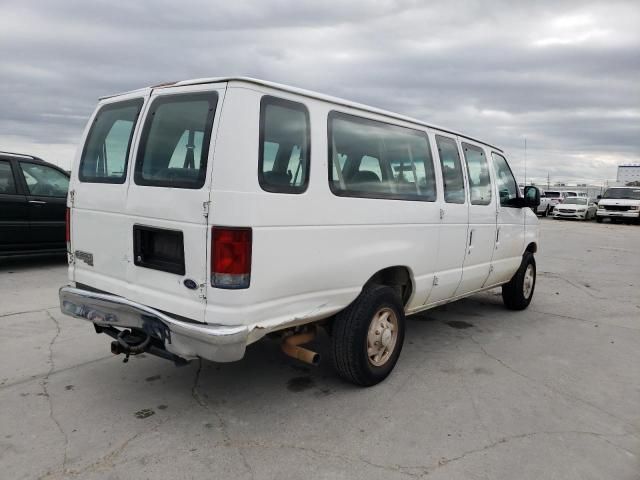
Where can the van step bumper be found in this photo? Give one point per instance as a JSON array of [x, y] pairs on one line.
[[218, 343]]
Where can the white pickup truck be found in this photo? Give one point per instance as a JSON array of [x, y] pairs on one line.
[[546, 206]]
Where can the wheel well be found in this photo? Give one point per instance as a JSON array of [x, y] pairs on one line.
[[532, 247], [397, 277]]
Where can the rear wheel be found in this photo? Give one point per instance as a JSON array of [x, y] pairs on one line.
[[517, 294], [367, 336], [546, 211]]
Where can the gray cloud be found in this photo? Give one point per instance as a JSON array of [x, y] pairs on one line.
[[563, 74]]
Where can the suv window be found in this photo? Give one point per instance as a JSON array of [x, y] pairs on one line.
[[44, 181], [175, 141], [106, 150], [507, 186], [478, 172], [284, 146], [373, 159], [452, 175], [7, 183]]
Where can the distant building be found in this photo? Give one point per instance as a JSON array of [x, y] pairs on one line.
[[628, 172]]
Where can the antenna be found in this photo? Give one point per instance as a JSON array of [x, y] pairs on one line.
[[525, 161]]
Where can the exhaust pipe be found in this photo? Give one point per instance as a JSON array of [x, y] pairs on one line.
[[290, 346]]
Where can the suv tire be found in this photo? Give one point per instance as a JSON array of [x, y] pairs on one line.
[[367, 336], [517, 294]]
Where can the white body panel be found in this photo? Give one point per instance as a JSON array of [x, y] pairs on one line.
[[313, 252]]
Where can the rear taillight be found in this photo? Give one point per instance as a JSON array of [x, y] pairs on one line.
[[67, 229], [230, 257]]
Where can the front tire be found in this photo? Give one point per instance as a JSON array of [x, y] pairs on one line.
[[599, 219], [517, 294], [367, 336]]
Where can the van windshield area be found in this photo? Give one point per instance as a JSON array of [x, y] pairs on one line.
[[552, 194], [575, 201], [175, 141], [623, 193]]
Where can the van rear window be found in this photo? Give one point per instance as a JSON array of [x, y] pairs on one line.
[[373, 159], [106, 150], [175, 141]]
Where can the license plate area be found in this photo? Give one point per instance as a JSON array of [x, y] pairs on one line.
[[158, 249]]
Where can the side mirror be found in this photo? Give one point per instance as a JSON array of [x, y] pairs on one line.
[[598, 197], [531, 196]]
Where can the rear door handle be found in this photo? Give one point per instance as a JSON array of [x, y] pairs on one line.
[[37, 202]]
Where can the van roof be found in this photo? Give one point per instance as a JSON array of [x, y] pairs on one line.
[[309, 94]]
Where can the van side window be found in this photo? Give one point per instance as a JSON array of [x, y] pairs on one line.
[[284, 146], [452, 175], [106, 150], [507, 186], [7, 184], [373, 159], [478, 173], [175, 141]]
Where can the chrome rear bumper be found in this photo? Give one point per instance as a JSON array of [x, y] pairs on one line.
[[219, 343]]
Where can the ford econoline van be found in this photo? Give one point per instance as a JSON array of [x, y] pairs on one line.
[[206, 214]]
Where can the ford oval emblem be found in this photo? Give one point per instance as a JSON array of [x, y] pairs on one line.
[[190, 284]]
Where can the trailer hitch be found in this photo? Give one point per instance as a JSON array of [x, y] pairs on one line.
[[130, 342]]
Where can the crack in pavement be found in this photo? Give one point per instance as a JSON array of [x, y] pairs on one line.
[[550, 387], [592, 322], [3, 315], [601, 436], [419, 471], [52, 373], [45, 388], [103, 463], [222, 424]]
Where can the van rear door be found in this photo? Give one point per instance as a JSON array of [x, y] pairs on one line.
[[100, 235], [168, 198]]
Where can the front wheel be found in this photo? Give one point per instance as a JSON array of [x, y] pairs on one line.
[[599, 219], [517, 294], [367, 336]]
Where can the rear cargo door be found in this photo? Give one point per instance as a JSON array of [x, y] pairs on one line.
[[167, 200], [100, 229]]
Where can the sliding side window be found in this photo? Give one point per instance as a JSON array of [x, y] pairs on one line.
[[284, 146], [451, 165], [106, 150], [373, 159], [478, 173], [175, 141]]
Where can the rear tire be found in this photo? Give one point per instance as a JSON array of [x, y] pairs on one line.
[[517, 294], [368, 336], [546, 212]]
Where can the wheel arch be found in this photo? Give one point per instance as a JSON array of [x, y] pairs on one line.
[[531, 248], [398, 277]]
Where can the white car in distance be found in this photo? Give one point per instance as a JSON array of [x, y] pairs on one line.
[[579, 208]]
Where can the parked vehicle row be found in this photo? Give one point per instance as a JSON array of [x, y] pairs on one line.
[[206, 214], [33, 199]]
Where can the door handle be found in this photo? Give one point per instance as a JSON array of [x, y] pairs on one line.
[[37, 202], [470, 241]]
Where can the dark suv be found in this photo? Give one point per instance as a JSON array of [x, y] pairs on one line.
[[33, 197]]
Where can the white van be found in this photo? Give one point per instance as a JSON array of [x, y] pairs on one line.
[[619, 204], [208, 213]]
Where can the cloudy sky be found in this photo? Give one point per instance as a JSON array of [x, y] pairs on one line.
[[564, 75]]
